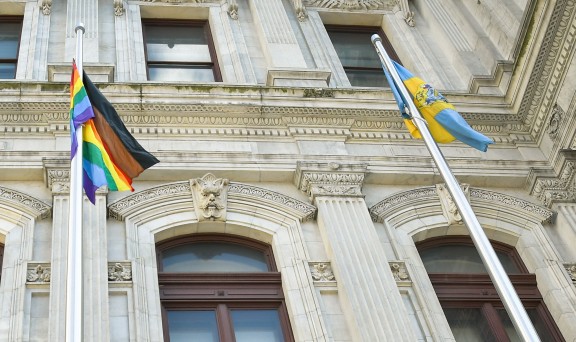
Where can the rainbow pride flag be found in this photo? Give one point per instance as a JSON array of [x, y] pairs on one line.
[[110, 154], [444, 122]]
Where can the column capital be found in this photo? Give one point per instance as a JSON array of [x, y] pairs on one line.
[[330, 178], [57, 175]]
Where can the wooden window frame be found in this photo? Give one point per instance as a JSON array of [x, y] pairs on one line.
[[13, 19], [475, 290], [222, 292], [184, 23]]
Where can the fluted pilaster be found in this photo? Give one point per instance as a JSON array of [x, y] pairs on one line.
[[365, 282]]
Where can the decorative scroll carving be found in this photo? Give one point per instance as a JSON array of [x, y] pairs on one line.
[[353, 4], [38, 273], [399, 271], [330, 179], [555, 121], [210, 196], [119, 8], [448, 205], [233, 9], [119, 209], [571, 269], [29, 204], [304, 210], [318, 92], [322, 272], [119, 271], [400, 201], [46, 6]]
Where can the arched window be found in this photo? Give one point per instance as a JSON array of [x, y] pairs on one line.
[[468, 297], [220, 288]]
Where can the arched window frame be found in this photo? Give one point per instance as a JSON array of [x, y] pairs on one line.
[[222, 291]]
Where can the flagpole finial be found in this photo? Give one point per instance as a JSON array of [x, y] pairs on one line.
[[375, 38], [80, 26]]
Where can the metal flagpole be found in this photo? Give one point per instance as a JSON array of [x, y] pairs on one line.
[[499, 277], [74, 292]]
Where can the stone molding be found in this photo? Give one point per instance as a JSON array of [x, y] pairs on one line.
[[354, 5], [38, 272], [25, 203], [330, 179], [478, 197], [400, 273], [571, 270], [237, 192], [119, 271], [550, 189], [322, 274]]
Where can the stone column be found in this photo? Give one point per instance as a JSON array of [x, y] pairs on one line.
[[369, 296], [86, 12], [95, 268]]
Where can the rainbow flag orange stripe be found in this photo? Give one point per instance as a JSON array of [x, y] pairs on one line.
[[110, 154]]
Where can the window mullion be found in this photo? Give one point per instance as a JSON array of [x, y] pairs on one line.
[[225, 328], [494, 323]]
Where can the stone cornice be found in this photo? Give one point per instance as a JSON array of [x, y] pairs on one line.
[[550, 187], [478, 197], [24, 203]]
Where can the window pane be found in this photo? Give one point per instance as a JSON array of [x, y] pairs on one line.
[[355, 49], [9, 35], [7, 70], [176, 44], [367, 78], [197, 326], [213, 257], [460, 259], [469, 325], [257, 325], [539, 325], [178, 72]]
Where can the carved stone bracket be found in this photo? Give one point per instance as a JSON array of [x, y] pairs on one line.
[[551, 189], [554, 124], [119, 8], [46, 6], [57, 175], [300, 10], [448, 206], [330, 179], [322, 273], [400, 272], [571, 269], [119, 271], [353, 5], [38, 272], [233, 9], [406, 13], [210, 197]]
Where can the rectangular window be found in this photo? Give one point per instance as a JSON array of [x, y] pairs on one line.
[[358, 56], [178, 50], [10, 30]]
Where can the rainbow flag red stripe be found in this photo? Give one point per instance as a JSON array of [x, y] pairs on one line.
[[110, 154]]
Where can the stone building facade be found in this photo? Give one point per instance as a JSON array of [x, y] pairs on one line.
[[280, 151]]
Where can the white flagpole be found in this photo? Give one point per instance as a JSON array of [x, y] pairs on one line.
[[499, 277], [74, 313]]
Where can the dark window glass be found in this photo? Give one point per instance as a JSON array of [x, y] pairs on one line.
[[185, 326], [10, 29], [358, 56], [257, 325], [470, 302], [179, 51]]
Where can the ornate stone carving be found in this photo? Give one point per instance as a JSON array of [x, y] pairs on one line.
[[46, 6], [28, 204], [353, 4], [322, 272], [38, 273], [233, 9], [400, 201], [210, 196], [571, 269], [304, 210], [399, 271], [119, 8], [318, 92], [123, 207], [448, 205], [300, 10], [119, 271], [330, 179], [407, 14], [549, 189], [555, 121]]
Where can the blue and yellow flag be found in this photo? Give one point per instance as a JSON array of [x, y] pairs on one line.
[[444, 122]]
